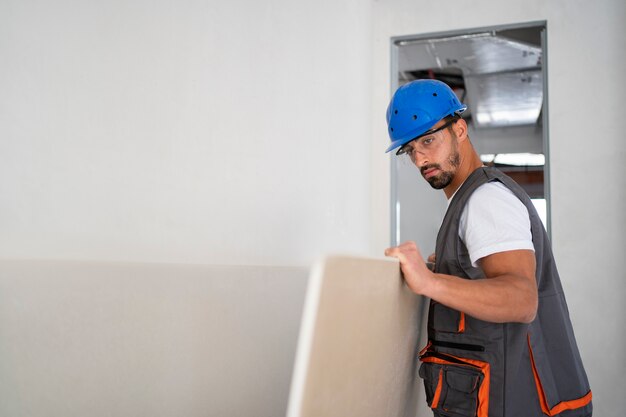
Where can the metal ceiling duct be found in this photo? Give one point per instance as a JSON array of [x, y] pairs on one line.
[[502, 76]]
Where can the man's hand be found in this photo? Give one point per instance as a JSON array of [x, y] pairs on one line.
[[507, 294], [417, 274]]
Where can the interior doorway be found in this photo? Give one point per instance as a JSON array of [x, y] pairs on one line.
[[500, 72]]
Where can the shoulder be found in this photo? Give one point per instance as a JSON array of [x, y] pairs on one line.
[[493, 189], [494, 220], [494, 198]]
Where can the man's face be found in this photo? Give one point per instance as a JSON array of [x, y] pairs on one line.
[[439, 176], [436, 156]]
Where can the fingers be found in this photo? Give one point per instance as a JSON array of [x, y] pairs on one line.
[[409, 251], [404, 245], [394, 251], [398, 254], [414, 269], [391, 251], [405, 248]]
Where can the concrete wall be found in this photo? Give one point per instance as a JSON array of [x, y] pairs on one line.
[[587, 60]]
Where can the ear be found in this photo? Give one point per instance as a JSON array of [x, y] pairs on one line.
[[460, 130]]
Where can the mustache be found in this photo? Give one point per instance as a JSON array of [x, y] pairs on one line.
[[430, 166]]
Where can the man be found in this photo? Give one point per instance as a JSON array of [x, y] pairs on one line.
[[500, 340]]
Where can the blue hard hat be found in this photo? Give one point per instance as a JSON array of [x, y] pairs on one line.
[[416, 107]]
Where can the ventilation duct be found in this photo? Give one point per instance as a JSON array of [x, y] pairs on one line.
[[498, 77]]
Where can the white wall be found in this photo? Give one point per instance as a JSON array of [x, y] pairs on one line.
[[586, 63], [222, 132]]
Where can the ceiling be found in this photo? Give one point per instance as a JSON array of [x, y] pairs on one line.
[[497, 74]]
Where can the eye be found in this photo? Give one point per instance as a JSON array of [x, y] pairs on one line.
[[428, 141]]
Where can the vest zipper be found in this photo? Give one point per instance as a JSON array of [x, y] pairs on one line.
[[462, 346]]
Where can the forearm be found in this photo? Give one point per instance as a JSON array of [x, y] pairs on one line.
[[505, 298], [507, 294]]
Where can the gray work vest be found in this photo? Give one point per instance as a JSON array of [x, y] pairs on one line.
[[472, 367]]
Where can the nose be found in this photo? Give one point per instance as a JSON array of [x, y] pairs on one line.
[[419, 159]]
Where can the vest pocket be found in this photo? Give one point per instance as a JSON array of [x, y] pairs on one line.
[[446, 320], [455, 386]]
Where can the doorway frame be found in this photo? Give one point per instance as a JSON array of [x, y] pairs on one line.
[[397, 41]]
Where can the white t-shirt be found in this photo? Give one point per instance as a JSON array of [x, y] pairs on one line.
[[494, 220]]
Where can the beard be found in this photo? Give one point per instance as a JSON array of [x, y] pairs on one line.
[[444, 178]]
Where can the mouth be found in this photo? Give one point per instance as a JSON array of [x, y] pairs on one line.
[[430, 172]]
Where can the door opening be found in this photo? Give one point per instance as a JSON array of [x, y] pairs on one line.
[[500, 73]]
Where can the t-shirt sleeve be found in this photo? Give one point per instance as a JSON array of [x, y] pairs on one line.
[[494, 220]]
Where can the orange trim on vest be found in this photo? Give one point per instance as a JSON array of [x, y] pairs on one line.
[[438, 390], [563, 405], [483, 391], [425, 348], [462, 323]]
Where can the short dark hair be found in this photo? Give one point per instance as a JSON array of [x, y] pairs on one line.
[[450, 118]]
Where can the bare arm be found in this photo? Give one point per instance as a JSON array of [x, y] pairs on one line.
[[508, 294]]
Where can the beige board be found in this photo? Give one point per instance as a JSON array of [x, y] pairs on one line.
[[358, 342], [102, 339]]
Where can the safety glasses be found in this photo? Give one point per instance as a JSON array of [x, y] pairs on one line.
[[424, 141]]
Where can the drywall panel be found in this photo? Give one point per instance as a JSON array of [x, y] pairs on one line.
[[99, 339], [357, 349]]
